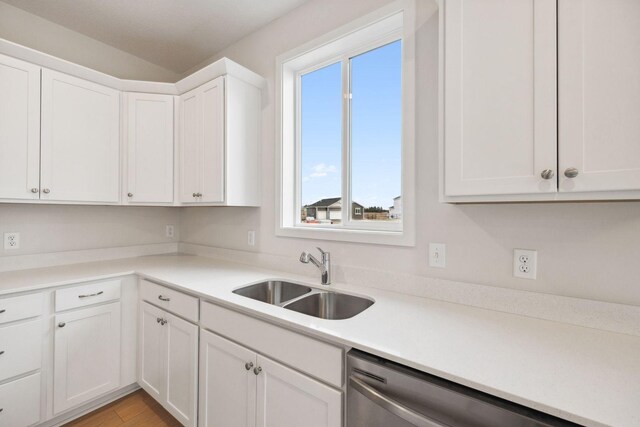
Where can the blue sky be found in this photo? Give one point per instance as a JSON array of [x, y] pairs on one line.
[[376, 129]]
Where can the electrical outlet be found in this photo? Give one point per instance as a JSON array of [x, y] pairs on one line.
[[169, 231], [525, 263], [251, 238], [437, 255], [11, 241]]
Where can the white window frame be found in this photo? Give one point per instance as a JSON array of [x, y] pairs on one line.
[[386, 25]]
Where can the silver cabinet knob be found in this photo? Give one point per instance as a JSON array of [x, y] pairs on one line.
[[46, 190], [257, 370], [129, 194], [248, 366], [571, 172], [158, 320], [547, 174], [34, 190], [61, 325], [195, 194]]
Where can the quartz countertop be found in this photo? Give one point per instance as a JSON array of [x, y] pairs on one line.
[[584, 375]]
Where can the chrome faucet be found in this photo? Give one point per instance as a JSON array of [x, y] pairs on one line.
[[324, 265]]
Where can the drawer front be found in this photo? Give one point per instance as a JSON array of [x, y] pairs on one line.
[[316, 358], [88, 294], [22, 307], [20, 402], [20, 348], [171, 300]]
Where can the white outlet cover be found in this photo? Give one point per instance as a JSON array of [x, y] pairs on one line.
[[437, 255], [525, 263], [169, 231], [11, 241], [251, 238]]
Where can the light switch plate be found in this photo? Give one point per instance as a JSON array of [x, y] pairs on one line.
[[437, 255]]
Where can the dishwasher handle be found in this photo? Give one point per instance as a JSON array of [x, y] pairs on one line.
[[391, 405]]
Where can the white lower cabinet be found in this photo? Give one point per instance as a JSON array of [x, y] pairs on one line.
[[240, 388], [86, 355], [20, 402], [169, 362]]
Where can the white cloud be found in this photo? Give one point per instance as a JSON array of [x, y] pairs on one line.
[[321, 170]]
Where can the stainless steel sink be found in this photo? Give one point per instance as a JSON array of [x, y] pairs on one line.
[[330, 305], [273, 292]]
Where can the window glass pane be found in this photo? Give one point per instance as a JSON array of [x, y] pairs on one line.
[[376, 134], [321, 145]]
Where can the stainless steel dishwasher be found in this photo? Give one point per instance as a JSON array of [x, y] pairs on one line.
[[381, 393]]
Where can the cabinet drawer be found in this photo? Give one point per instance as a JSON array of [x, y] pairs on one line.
[[88, 294], [316, 358], [171, 300], [20, 348], [20, 402], [22, 307]]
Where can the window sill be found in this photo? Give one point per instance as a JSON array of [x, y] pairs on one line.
[[391, 238]]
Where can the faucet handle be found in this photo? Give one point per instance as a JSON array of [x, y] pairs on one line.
[[304, 257]]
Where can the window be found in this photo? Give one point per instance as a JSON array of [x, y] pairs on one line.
[[347, 134]]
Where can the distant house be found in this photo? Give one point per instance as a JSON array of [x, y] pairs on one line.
[[395, 211], [330, 210]]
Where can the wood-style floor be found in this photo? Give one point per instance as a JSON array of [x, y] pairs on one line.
[[136, 409]]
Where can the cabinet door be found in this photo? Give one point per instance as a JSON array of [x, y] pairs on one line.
[[19, 129], [213, 134], [599, 94], [149, 148], [288, 398], [181, 356], [227, 387], [151, 351], [500, 96], [190, 146], [80, 140], [87, 355]]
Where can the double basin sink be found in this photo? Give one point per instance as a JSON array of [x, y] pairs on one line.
[[303, 299]]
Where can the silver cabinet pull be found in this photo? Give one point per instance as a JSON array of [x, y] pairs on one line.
[[61, 325], [46, 191], [257, 370], [396, 408], [195, 195], [158, 320], [129, 194], [2, 311], [248, 366], [571, 172], [34, 190], [164, 322], [91, 295], [1, 352], [163, 298], [547, 174]]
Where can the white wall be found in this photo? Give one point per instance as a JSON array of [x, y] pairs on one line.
[[58, 228], [588, 250], [30, 30]]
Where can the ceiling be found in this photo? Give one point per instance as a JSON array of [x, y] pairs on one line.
[[174, 34]]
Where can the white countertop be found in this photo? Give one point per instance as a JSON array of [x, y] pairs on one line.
[[580, 374]]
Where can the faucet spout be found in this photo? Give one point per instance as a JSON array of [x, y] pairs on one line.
[[324, 265]]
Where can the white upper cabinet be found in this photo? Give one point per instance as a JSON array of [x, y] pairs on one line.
[[80, 154], [19, 129], [219, 133], [149, 148], [599, 95], [500, 97]]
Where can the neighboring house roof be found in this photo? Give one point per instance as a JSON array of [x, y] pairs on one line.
[[324, 202], [328, 202], [396, 198]]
